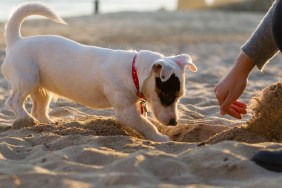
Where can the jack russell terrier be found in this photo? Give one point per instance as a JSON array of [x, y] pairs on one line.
[[40, 66]]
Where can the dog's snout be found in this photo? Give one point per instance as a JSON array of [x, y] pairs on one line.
[[172, 122]]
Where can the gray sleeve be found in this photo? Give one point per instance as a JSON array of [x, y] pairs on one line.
[[260, 47]]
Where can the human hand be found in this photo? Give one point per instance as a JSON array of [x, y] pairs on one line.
[[227, 92], [231, 87]]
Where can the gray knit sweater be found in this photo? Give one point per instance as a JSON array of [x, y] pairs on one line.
[[261, 46]]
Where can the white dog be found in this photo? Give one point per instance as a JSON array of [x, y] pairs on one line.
[[96, 77]]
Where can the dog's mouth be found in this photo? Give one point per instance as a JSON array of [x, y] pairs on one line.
[[165, 120], [172, 122]]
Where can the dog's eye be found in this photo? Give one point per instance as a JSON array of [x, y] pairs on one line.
[[168, 91], [167, 99], [170, 86]]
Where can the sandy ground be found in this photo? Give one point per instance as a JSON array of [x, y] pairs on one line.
[[90, 148]]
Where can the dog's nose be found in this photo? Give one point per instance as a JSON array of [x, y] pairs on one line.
[[172, 122]]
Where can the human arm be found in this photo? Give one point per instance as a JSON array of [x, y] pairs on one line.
[[261, 47], [255, 52], [230, 88]]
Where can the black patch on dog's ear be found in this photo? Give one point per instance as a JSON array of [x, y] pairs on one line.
[[168, 91]]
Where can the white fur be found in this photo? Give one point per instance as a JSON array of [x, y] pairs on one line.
[[93, 76]]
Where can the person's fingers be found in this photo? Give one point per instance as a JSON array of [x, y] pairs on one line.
[[240, 104], [220, 97], [239, 109], [229, 105], [234, 113], [225, 106], [234, 110]]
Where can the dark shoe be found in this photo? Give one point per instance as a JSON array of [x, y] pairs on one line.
[[269, 159]]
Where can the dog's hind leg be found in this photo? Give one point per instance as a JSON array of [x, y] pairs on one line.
[[41, 99], [16, 103], [22, 82]]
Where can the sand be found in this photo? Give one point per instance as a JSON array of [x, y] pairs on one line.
[[90, 148]]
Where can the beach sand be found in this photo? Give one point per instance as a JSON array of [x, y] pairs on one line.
[[90, 148]]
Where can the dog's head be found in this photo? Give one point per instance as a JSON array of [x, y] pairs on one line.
[[165, 84]]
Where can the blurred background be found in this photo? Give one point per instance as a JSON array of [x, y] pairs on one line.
[[69, 8]]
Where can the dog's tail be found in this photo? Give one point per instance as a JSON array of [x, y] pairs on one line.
[[12, 30]]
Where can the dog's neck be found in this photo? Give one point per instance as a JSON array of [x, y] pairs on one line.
[[136, 79], [144, 64]]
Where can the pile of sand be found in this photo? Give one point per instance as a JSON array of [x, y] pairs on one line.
[[267, 113]]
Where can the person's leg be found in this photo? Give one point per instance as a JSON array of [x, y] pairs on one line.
[[272, 159]]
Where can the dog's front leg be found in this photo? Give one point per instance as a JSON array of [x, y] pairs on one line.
[[130, 116]]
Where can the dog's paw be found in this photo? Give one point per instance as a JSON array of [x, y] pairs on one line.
[[161, 138], [24, 122]]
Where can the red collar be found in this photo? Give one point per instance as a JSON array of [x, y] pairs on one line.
[[136, 80], [143, 101]]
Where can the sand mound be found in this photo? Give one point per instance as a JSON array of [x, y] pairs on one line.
[[91, 125], [192, 131], [240, 134], [26, 122], [265, 124], [196, 131], [267, 113]]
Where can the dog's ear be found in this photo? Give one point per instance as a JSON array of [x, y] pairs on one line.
[[163, 69], [183, 60]]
